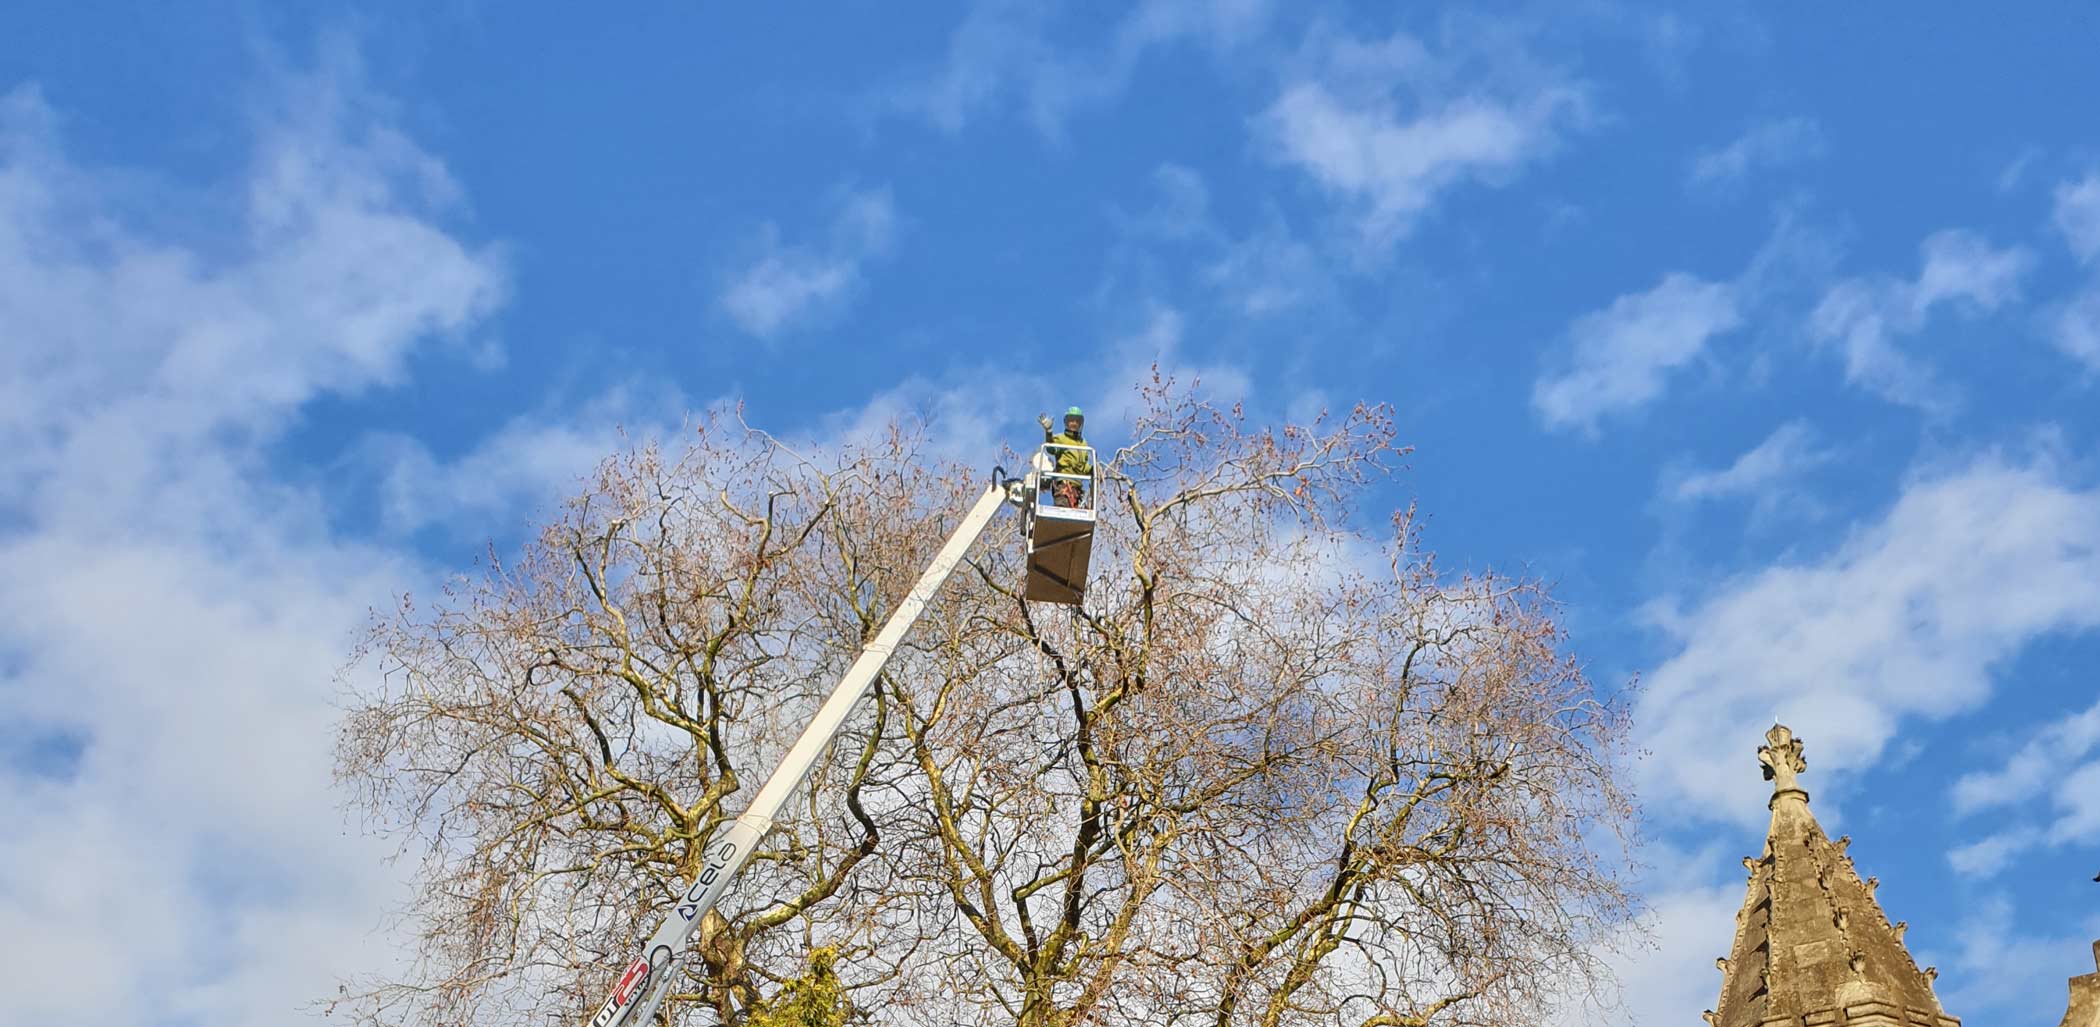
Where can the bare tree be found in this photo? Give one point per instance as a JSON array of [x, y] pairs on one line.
[[1277, 770]]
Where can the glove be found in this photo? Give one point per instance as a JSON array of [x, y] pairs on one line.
[[1044, 420]]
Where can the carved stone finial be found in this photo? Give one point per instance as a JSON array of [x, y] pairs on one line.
[[1858, 962], [1782, 759], [1899, 927], [1932, 973], [1844, 840], [1750, 864], [1872, 883], [1721, 963], [1711, 1017], [1840, 918]]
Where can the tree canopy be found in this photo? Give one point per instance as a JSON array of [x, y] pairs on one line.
[[1279, 768]]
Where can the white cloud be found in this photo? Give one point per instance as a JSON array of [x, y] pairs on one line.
[[2038, 765], [515, 474], [783, 285], [1623, 353], [2015, 171], [790, 285], [1997, 974], [1184, 208], [1270, 272], [1670, 978], [1773, 144], [1390, 126], [2074, 326], [1990, 855], [2077, 216], [998, 46], [163, 603], [1002, 53], [1398, 165], [1219, 24], [1623, 356], [1907, 618], [1961, 267], [1783, 455], [1664, 963], [1157, 343], [966, 416], [1865, 316], [1858, 315], [2043, 774], [1691, 927], [200, 349], [970, 412], [2078, 804]]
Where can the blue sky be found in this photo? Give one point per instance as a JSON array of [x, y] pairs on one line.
[[1772, 338]]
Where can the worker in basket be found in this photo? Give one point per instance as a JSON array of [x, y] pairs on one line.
[[1065, 491]]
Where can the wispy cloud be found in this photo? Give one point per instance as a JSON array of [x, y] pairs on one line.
[[1907, 618], [1390, 126], [790, 285], [1183, 210], [172, 613], [2077, 216], [1764, 472], [2037, 767], [2050, 771], [363, 279], [1622, 358], [1999, 972], [1771, 145], [1664, 965], [1986, 857], [1864, 317], [1623, 354], [1271, 271], [2074, 325], [516, 473], [1002, 55], [1267, 271]]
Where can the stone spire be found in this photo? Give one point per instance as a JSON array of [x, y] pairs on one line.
[[2084, 1010], [1812, 948]]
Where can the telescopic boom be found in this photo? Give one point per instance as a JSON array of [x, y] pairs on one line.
[[641, 987]]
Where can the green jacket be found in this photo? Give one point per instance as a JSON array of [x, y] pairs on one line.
[[1069, 461]]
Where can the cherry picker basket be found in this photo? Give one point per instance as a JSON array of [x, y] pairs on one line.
[[1060, 525]]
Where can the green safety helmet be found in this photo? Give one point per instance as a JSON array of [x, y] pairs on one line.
[[1074, 412]]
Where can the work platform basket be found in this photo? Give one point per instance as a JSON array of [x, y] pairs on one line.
[[1060, 523]]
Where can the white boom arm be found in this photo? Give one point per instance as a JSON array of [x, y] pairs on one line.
[[641, 987]]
